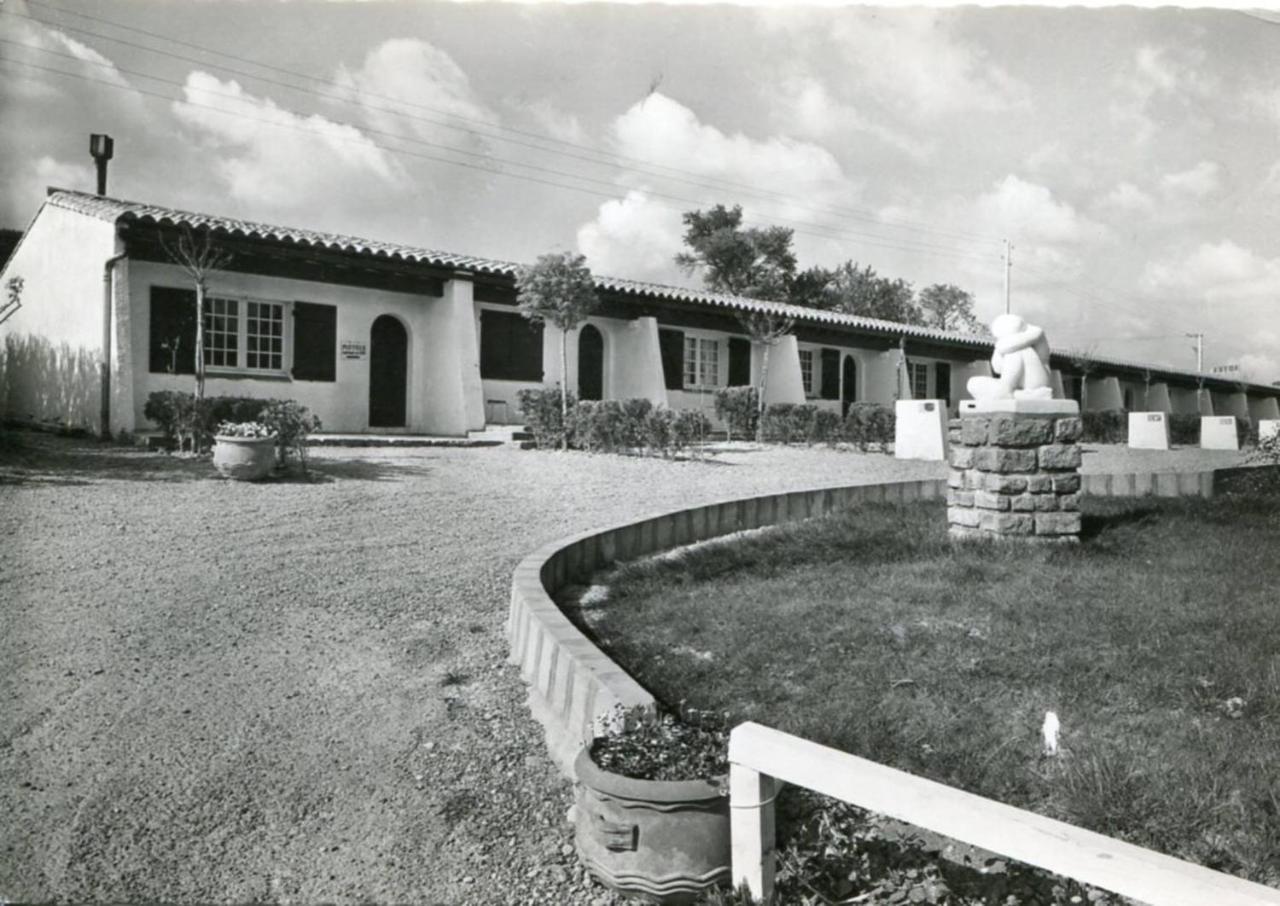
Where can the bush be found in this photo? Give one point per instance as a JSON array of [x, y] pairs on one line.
[[660, 430], [789, 422], [825, 428], [635, 412], [291, 424], [1184, 430], [739, 408], [691, 427], [1107, 426], [869, 423], [542, 416]]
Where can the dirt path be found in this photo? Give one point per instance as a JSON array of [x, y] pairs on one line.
[[220, 692]]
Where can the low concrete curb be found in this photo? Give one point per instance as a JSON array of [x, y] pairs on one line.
[[573, 686]]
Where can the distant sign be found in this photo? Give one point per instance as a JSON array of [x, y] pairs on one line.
[[1224, 369], [354, 350]]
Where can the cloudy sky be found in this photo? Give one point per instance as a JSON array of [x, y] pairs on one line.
[[1131, 156]]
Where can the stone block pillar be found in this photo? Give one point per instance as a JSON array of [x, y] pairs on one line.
[[1015, 470]]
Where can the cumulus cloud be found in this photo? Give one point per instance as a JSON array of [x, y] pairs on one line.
[[914, 58], [1198, 182], [407, 86], [1215, 269], [1126, 198], [274, 157], [1016, 207], [639, 233], [1272, 182], [633, 237], [557, 123], [811, 111]]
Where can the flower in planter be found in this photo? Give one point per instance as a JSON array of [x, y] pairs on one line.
[[666, 747], [243, 429]]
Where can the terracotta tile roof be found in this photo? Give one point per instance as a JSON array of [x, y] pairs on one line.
[[117, 210]]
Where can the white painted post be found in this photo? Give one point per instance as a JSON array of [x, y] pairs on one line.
[[1218, 432], [1148, 431], [1268, 428], [751, 830]]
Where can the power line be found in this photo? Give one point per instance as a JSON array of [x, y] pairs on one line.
[[345, 93], [805, 228]]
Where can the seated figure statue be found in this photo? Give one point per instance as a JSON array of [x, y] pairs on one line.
[[1021, 361]]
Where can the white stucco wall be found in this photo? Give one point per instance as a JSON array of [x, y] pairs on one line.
[[442, 346], [1104, 393], [1231, 403], [1183, 401], [633, 361], [1263, 407], [1157, 398], [53, 343], [783, 383]]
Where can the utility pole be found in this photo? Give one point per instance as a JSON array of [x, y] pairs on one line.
[[1008, 266], [1199, 338]]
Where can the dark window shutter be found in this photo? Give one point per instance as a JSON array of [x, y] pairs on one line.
[[831, 374], [172, 340], [671, 345], [315, 342], [510, 346], [942, 380], [739, 362]]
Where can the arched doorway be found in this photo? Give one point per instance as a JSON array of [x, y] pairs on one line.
[[848, 384], [388, 372], [590, 364]]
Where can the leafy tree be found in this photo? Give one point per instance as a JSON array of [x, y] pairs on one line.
[[558, 290], [947, 307], [746, 262], [860, 291], [198, 255]]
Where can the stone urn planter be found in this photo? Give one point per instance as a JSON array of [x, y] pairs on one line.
[[244, 458], [666, 841]]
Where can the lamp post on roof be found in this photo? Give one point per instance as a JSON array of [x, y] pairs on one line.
[[101, 147]]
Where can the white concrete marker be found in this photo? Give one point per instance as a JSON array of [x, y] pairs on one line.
[[921, 430], [1218, 432], [1268, 428], [1050, 733], [1148, 431]]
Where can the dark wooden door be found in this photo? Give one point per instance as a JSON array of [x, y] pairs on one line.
[[848, 385], [590, 364], [388, 373]]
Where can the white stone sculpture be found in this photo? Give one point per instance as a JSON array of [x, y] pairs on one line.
[[1021, 361]]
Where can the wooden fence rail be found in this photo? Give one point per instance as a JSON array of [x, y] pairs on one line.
[[760, 757]]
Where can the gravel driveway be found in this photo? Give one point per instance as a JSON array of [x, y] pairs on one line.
[[298, 692]]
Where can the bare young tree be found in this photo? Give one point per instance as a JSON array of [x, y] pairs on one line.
[[765, 328], [199, 255]]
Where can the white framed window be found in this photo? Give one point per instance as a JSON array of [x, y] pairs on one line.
[[701, 362], [806, 370], [245, 335], [918, 375]]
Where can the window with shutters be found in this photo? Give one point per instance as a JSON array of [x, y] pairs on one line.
[[701, 362], [172, 340], [244, 335], [806, 371]]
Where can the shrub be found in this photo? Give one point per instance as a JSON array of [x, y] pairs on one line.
[[542, 416], [1246, 432], [634, 414], [825, 428], [869, 423], [1108, 426], [291, 423], [739, 408], [789, 422], [1184, 429], [660, 430], [691, 427]]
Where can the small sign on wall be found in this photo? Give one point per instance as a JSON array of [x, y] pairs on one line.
[[352, 349]]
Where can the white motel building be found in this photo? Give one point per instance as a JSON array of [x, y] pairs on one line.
[[381, 338]]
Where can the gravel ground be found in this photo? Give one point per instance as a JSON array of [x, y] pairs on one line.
[[298, 692]]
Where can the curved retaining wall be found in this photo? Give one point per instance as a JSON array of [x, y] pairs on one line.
[[574, 687]]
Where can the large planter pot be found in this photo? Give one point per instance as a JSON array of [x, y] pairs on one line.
[[666, 841], [244, 458]]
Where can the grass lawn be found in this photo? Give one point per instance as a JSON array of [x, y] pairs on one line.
[[1155, 641]]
